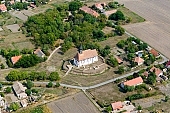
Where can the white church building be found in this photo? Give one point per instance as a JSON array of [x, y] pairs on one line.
[[85, 57]]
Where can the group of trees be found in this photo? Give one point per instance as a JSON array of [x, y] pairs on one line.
[[117, 16], [78, 28], [112, 61], [24, 75], [28, 61]]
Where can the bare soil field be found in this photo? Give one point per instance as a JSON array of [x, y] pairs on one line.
[[77, 103], [156, 31]]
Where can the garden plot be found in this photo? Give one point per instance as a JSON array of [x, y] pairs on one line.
[[78, 103], [19, 15], [14, 28]]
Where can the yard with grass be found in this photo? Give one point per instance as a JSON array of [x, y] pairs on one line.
[[111, 92], [135, 18]]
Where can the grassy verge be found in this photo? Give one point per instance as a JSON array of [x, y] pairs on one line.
[[135, 18], [38, 109]]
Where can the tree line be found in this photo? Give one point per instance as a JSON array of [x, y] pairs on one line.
[[16, 75]]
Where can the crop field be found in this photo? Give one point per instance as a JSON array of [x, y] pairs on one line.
[[156, 30], [78, 103]]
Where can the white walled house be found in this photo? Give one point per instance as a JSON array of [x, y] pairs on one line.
[[86, 57]]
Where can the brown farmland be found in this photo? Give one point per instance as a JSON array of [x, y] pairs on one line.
[[155, 31], [78, 103]]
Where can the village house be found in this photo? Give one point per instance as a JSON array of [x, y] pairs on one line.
[[89, 11], [15, 59], [3, 8], [100, 6], [119, 60], [39, 53], [108, 13], [139, 61], [119, 106], [24, 103], [134, 82], [19, 90], [158, 72], [154, 53], [85, 57]]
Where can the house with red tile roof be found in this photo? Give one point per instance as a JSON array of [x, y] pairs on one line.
[[3, 8], [100, 6], [117, 105], [89, 11], [123, 106], [108, 13], [139, 61], [86, 57], [154, 53], [119, 60], [158, 72], [134, 82], [15, 59]]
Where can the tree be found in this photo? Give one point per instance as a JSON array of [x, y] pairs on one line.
[[50, 84], [14, 106], [119, 30], [54, 76], [121, 70], [13, 75], [28, 92], [139, 108], [151, 78], [29, 84], [117, 16], [106, 51], [2, 66], [112, 5], [8, 90], [98, 34], [75, 5], [27, 61], [34, 91], [129, 88], [57, 84], [121, 44], [112, 61], [166, 98]]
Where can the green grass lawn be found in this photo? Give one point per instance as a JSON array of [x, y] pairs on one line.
[[135, 18]]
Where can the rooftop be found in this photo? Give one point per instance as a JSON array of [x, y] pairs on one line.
[[138, 60], [156, 70], [15, 59], [18, 87], [3, 7], [117, 105], [39, 53], [89, 11], [86, 54], [154, 52], [134, 81]]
